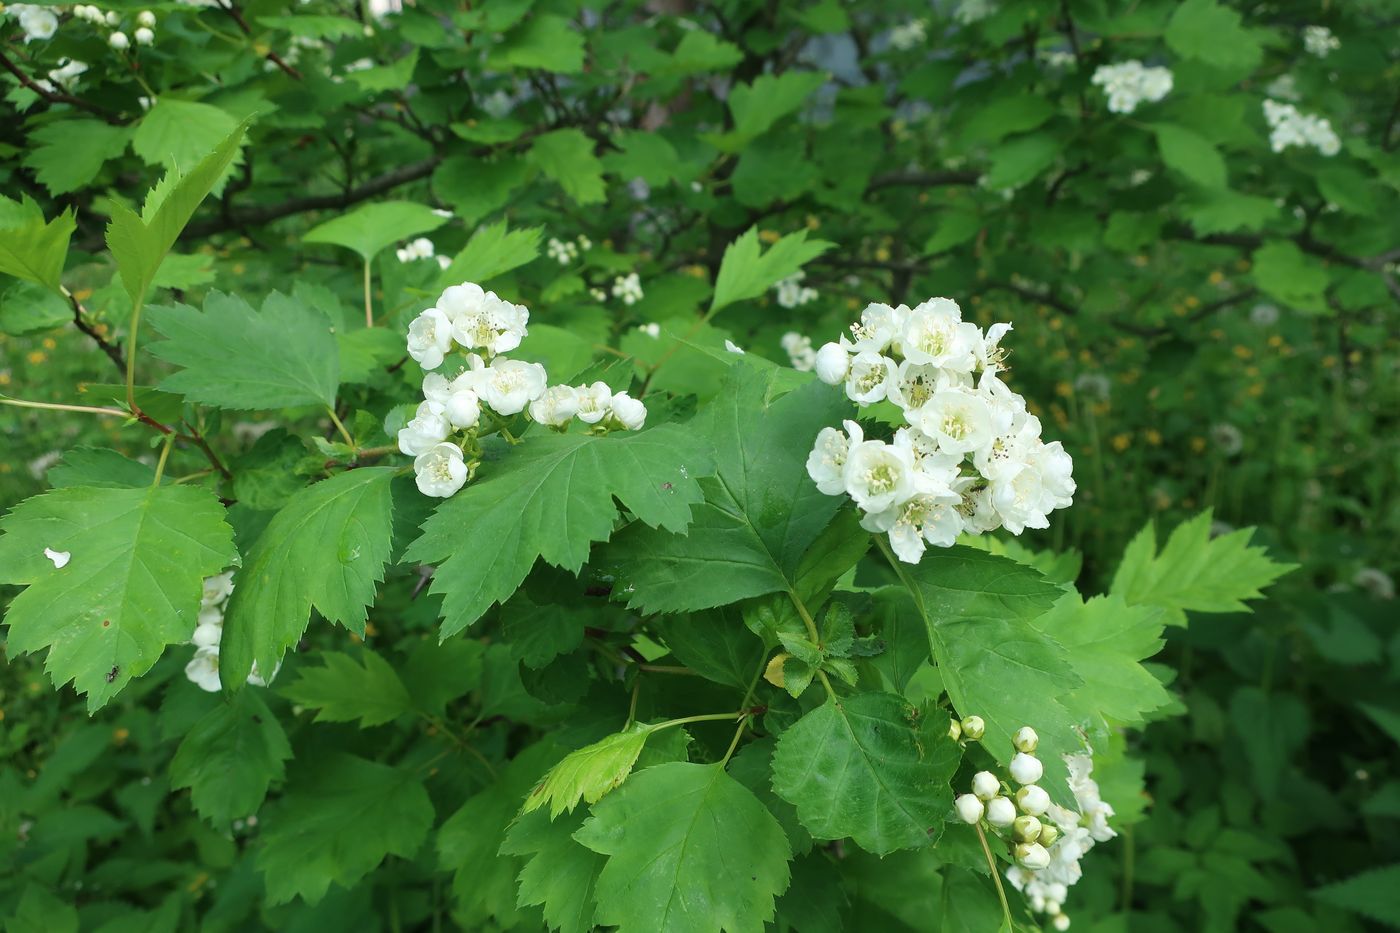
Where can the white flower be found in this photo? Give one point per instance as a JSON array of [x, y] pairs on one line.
[[441, 470], [463, 406], [879, 475], [799, 350], [1026, 769], [826, 464], [561, 252], [1263, 315], [923, 518], [37, 22], [428, 428], [1227, 438], [594, 402], [1001, 811], [146, 18], [67, 72], [207, 635], [988, 350], [255, 678], [969, 808], [1319, 41], [651, 329], [879, 329], [1033, 856], [733, 347], [971, 11], [421, 248], [934, 333], [203, 669], [908, 34], [60, 558], [216, 589], [1033, 799], [509, 385], [870, 377], [985, 785], [628, 288], [961, 421], [429, 338], [556, 407], [1289, 127], [1371, 579], [483, 321], [792, 293], [1128, 83], [144, 35], [628, 412], [118, 40], [832, 363]]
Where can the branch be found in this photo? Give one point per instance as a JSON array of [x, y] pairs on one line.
[[228, 7], [267, 214], [923, 179], [55, 97], [113, 352]]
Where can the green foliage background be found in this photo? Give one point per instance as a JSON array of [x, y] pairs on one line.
[[1207, 324]]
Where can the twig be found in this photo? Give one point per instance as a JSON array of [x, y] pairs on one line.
[[232, 10], [113, 352], [56, 97]]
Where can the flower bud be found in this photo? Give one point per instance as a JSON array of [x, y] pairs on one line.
[[1052, 906], [1026, 829], [1001, 811], [144, 36], [1061, 922], [1033, 800], [631, 413], [1025, 740], [113, 18], [1026, 769], [973, 727], [1057, 891], [118, 41], [954, 729], [207, 635], [1032, 856], [833, 362], [1049, 833], [985, 785], [970, 809], [146, 18]]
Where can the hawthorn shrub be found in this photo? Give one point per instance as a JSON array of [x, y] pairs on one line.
[[529, 465]]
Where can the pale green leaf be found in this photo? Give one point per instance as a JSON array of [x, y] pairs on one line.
[[589, 773], [745, 274], [230, 757], [372, 227], [131, 586], [493, 250], [177, 133], [567, 157], [346, 688], [35, 250]]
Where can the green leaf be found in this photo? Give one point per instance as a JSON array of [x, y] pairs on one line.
[[1106, 640], [325, 549], [344, 689], [759, 105], [978, 609], [517, 502], [32, 249], [97, 466], [139, 242], [288, 354], [476, 188], [1191, 154], [745, 274], [131, 586], [341, 817], [39, 911], [1286, 273], [1021, 160], [560, 874], [492, 251], [540, 633], [690, 850], [715, 644], [371, 227], [761, 511], [230, 757], [544, 41], [567, 157], [1003, 116], [700, 51], [1194, 571], [1374, 894], [855, 767], [67, 155], [177, 133], [590, 772], [394, 76], [1206, 31], [29, 308]]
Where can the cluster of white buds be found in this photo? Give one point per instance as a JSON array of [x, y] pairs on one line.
[[792, 293], [628, 288], [1129, 83], [799, 350], [203, 669], [992, 801], [478, 327], [1319, 41], [651, 329], [566, 251], [144, 34], [421, 248], [1290, 127], [970, 459]]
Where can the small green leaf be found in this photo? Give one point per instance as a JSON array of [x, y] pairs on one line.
[[345, 689], [32, 249], [177, 133], [544, 41], [560, 874], [745, 274], [567, 157], [1191, 154], [589, 773], [1206, 31], [392, 77], [493, 250], [371, 227], [1374, 894], [67, 155], [230, 757], [1286, 273]]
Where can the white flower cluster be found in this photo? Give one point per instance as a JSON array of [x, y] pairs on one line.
[[38, 22], [1319, 41], [792, 293], [972, 11], [1128, 84], [1289, 127], [799, 350], [566, 251], [628, 288], [203, 669], [485, 326], [145, 33], [909, 34], [1048, 886], [422, 248], [919, 488]]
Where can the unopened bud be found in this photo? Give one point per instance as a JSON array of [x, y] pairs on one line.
[[1061, 922], [1026, 829], [973, 727], [1032, 856], [954, 729], [1001, 811], [1033, 799], [1026, 769], [985, 785], [1025, 739], [1049, 832], [970, 809]]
